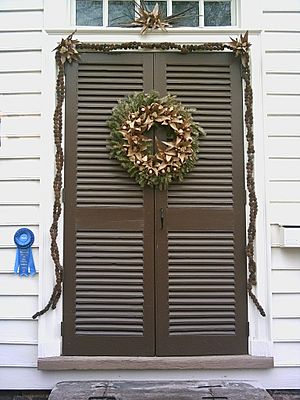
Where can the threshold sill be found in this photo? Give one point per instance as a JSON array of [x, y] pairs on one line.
[[61, 363]]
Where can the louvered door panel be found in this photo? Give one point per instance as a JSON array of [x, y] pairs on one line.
[[201, 282], [207, 92], [109, 241], [101, 181]]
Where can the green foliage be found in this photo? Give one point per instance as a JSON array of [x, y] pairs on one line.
[[133, 104]]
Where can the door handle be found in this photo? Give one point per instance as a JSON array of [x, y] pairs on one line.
[[162, 218]]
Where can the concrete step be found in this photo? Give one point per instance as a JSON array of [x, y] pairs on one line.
[[161, 390]]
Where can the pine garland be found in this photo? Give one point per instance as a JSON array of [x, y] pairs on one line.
[[154, 163]]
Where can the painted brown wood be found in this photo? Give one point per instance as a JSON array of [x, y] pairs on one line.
[[154, 363]]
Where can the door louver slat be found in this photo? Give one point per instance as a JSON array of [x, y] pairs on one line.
[[95, 102], [119, 287], [218, 285]]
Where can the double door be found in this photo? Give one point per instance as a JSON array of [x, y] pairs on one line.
[[149, 272]]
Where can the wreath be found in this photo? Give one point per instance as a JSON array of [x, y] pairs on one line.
[[133, 124]]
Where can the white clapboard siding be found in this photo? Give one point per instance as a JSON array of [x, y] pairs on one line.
[[283, 103], [284, 147], [282, 21], [22, 103], [286, 329], [7, 235], [283, 83], [8, 256], [29, 82], [26, 146], [282, 40], [20, 214], [286, 281], [12, 5], [19, 331], [27, 192], [16, 167], [287, 354], [18, 307], [18, 354], [279, 62], [20, 61], [21, 125], [282, 125], [279, 5], [283, 191], [286, 305], [21, 40], [24, 19], [284, 168], [286, 258], [15, 284], [284, 213]]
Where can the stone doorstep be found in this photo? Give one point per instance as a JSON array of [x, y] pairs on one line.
[[164, 390]]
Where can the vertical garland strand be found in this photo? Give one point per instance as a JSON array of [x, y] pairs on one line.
[[252, 278], [67, 51], [57, 185]]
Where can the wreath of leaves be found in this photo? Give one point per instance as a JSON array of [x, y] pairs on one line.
[[154, 163]]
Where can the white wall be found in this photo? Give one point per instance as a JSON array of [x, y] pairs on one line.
[[281, 41], [21, 25], [27, 79]]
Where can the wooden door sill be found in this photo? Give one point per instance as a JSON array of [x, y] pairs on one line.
[[154, 363]]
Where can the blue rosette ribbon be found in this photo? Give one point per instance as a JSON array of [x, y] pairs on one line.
[[24, 264]]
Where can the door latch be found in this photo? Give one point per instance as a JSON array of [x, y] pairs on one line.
[[162, 218]]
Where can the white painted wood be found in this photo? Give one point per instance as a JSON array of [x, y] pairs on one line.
[[20, 83], [276, 378], [22, 103], [286, 281], [27, 192], [287, 353], [285, 213], [279, 5], [21, 19], [21, 5], [287, 258], [282, 40], [284, 168], [18, 354], [20, 214], [21, 125], [8, 258], [283, 83], [7, 235], [18, 285], [282, 125], [14, 307], [286, 329], [24, 40], [284, 62], [284, 147], [283, 104], [20, 61], [286, 305], [281, 22], [26, 146], [18, 331], [17, 167], [285, 191]]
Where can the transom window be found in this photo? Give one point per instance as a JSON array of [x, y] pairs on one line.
[[116, 13]]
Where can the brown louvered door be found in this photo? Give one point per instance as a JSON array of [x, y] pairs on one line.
[[134, 284], [200, 265], [108, 237]]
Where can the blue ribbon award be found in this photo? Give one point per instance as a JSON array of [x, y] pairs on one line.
[[24, 263]]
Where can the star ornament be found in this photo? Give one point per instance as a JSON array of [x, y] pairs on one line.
[[240, 46], [67, 49]]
